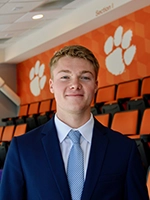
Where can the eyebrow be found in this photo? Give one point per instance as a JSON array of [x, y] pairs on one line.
[[82, 72], [66, 71]]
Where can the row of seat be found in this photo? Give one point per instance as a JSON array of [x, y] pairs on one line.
[[129, 122], [29, 117], [8, 132], [128, 95], [6, 135], [134, 125], [34, 114]]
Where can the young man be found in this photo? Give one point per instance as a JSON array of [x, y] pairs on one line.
[[37, 166]]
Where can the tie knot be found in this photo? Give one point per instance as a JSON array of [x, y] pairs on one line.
[[74, 136]]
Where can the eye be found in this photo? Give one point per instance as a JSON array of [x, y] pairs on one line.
[[85, 78], [64, 77]]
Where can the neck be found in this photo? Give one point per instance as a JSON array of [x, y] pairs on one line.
[[74, 120]]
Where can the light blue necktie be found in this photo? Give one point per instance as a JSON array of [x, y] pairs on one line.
[[75, 168]]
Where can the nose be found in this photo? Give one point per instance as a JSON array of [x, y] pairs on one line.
[[75, 84]]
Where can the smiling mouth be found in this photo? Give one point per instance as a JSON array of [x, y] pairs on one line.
[[74, 95]]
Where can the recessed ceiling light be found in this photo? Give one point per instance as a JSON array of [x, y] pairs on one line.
[[37, 16]]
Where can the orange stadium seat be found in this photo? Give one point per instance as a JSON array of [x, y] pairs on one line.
[[44, 111], [45, 106], [33, 108], [143, 100], [33, 112], [5, 142], [104, 119], [23, 113], [1, 131], [126, 122], [104, 94], [20, 129], [23, 110], [8, 133], [145, 127], [130, 126], [125, 91]]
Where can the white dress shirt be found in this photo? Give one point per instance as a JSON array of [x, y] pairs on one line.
[[65, 143]]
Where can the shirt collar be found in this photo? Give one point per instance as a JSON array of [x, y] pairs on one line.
[[86, 130]]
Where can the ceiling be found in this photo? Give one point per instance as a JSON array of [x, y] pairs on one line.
[[21, 37], [16, 16]]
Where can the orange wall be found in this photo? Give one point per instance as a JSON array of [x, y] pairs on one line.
[[138, 23]]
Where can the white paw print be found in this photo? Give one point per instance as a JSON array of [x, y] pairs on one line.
[[37, 78], [119, 51]]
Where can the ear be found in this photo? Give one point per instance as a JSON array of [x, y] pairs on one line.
[[51, 86]]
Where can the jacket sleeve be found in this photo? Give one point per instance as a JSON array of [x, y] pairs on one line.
[[135, 187], [12, 185]]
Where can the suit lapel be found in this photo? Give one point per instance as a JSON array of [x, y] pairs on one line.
[[53, 153], [97, 154]]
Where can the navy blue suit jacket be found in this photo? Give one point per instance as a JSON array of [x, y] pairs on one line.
[[34, 168]]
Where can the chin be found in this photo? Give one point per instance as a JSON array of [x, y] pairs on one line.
[[77, 110]]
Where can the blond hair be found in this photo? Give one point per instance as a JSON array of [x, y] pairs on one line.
[[75, 51]]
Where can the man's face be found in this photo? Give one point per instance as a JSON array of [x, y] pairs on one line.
[[73, 84]]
